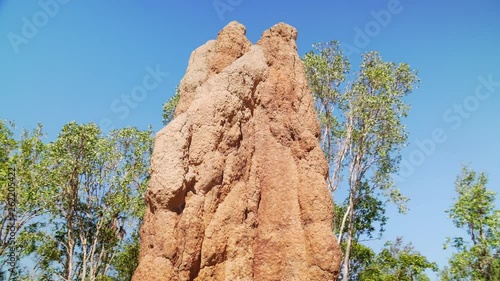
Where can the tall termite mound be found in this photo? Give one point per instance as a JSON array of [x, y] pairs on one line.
[[238, 179]]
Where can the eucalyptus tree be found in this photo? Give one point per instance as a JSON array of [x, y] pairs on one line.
[[397, 262], [478, 255], [23, 177], [326, 70], [93, 197], [369, 224], [362, 132]]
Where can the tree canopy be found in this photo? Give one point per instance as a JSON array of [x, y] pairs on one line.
[[477, 256], [362, 132], [81, 200]]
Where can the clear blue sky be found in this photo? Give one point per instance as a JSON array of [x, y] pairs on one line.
[[79, 58]]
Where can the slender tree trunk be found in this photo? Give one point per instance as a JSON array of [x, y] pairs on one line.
[[93, 265], [344, 219], [85, 258], [345, 273], [72, 197], [69, 260], [68, 267], [353, 183]]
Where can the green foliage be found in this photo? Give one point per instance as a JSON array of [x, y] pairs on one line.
[[7, 145], [361, 119], [397, 262], [375, 111], [169, 107], [361, 258], [326, 69], [128, 259], [361, 132], [26, 156], [92, 197], [369, 219], [478, 257]]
